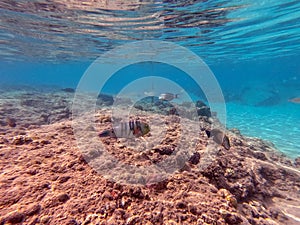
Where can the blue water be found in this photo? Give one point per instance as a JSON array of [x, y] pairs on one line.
[[252, 48]]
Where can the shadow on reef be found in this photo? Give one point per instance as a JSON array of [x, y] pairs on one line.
[[262, 94], [254, 97]]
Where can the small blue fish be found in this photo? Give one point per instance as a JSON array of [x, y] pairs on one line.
[[168, 96]]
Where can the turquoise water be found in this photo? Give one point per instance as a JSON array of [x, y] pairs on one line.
[[252, 48], [277, 124]]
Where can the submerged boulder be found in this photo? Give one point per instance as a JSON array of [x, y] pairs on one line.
[[203, 109], [105, 99], [154, 104], [68, 90]]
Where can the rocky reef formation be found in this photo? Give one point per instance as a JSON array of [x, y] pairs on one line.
[[45, 177], [185, 109], [24, 107]]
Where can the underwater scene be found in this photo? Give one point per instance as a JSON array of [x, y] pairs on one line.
[[150, 112]]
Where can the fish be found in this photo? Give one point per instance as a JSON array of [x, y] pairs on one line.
[[149, 93], [130, 129], [295, 100], [219, 137], [167, 96]]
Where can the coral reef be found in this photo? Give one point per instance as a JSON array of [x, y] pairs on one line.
[[45, 177]]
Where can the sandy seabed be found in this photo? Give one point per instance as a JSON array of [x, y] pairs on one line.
[[46, 178]]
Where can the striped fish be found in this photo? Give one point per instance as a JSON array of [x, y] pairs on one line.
[[133, 128]]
